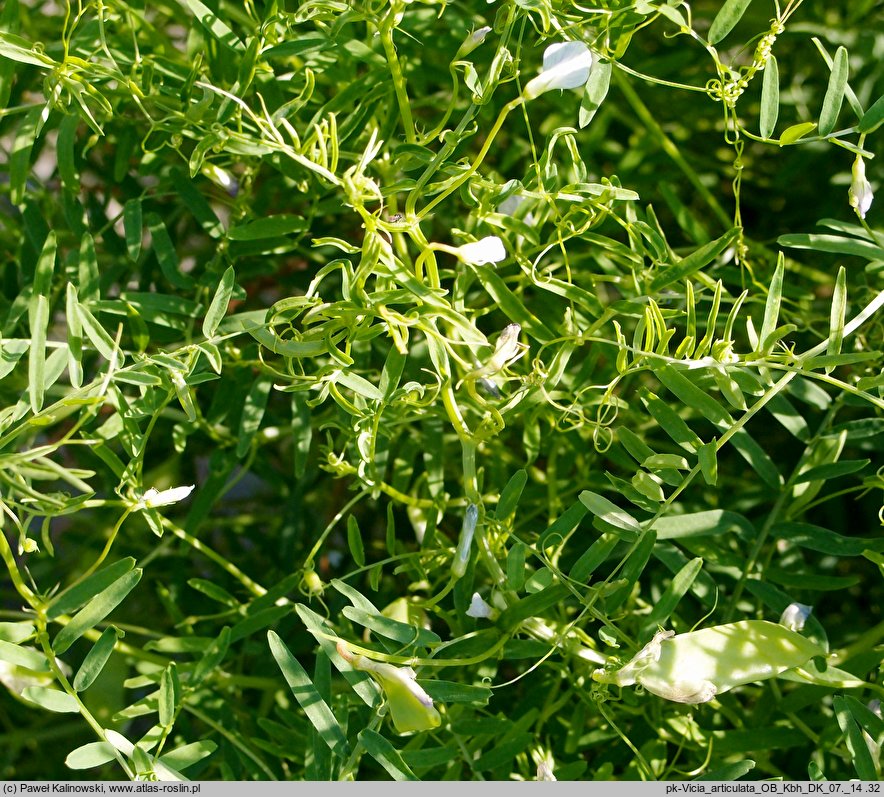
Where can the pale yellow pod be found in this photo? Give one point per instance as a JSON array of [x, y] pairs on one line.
[[696, 666]]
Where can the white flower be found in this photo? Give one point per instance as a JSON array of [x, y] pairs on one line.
[[795, 616], [472, 42], [488, 250], [154, 498], [410, 706], [860, 194], [479, 608], [566, 65]]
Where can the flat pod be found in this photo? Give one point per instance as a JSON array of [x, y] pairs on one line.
[[697, 666]]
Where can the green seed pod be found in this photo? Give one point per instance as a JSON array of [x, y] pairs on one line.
[[697, 666]]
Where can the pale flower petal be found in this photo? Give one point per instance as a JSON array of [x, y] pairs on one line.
[[860, 194], [566, 65], [480, 609], [795, 616], [154, 498], [479, 253]]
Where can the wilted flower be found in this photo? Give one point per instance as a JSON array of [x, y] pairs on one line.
[[696, 666], [860, 194], [566, 65], [795, 616], [411, 707], [154, 498], [479, 253], [479, 608], [472, 42]]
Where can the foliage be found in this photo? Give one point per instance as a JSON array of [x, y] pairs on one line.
[[496, 340]]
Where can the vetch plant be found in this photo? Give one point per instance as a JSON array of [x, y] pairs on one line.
[[495, 339]]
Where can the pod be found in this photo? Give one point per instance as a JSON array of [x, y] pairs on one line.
[[696, 666]]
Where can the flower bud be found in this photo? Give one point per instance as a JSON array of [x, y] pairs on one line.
[[471, 42], [860, 193], [696, 666], [566, 65], [462, 556], [795, 616]]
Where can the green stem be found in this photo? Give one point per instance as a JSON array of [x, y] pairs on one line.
[[669, 147], [456, 182], [252, 586], [43, 637], [386, 32]]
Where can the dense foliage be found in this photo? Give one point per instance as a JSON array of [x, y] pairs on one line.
[[498, 339]]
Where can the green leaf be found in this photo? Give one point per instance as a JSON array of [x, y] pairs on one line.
[[595, 91], [354, 541], [533, 605], [132, 224], [212, 658], [19, 163], [602, 508], [51, 699], [29, 658], [454, 692], [632, 570], [792, 134], [831, 471], [834, 92], [515, 566], [167, 257], [67, 170], [837, 314], [707, 456], [817, 538], [836, 244], [695, 261], [76, 596], [188, 754], [24, 52], [402, 633], [16, 633], [93, 754], [727, 17], [669, 600], [729, 771], [213, 25], [860, 754], [95, 660], [38, 319], [166, 698], [699, 524], [253, 413], [770, 98], [316, 709], [510, 495], [563, 525], [218, 306], [872, 118], [268, 227], [386, 755], [593, 556], [772, 306], [95, 611]]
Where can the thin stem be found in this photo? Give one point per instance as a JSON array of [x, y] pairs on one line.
[[386, 32]]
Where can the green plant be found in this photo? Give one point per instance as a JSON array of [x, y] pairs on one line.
[[482, 361]]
